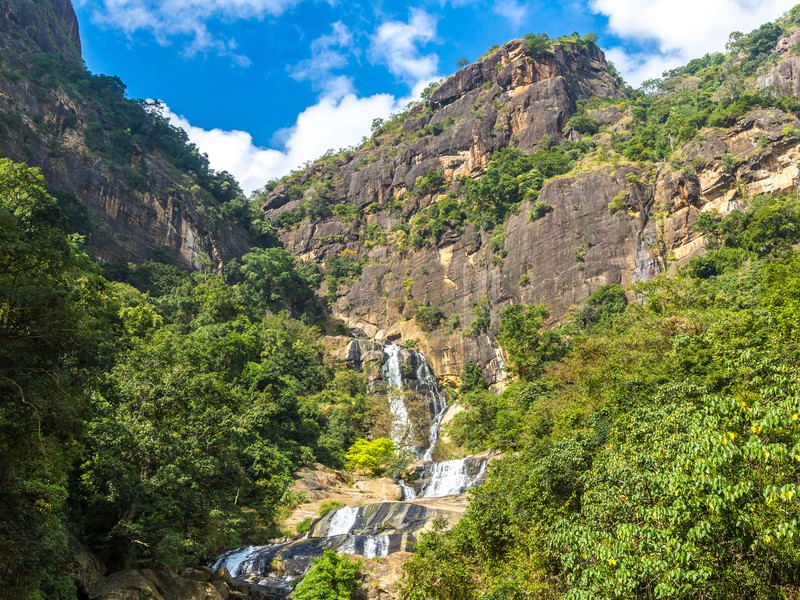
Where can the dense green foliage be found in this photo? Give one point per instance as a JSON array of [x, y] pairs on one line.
[[660, 457], [374, 456], [159, 416], [332, 577], [52, 305], [528, 344], [711, 91]]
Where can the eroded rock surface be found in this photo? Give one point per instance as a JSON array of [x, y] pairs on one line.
[[136, 208]]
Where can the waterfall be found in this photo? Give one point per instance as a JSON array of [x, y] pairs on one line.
[[450, 478], [408, 491], [373, 531], [373, 546], [234, 561], [401, 426], [343, 520], [425, 377], [376, 546]]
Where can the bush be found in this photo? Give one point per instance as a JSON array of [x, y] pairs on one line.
[[619, 202], [332, 577], [327, 507], [536, 46], [584, 124], [431, 182], [429, 318], [472, 378], [528, 344], [304, 526], [483, 318], [602, 304], [374, 456], [539, 210]]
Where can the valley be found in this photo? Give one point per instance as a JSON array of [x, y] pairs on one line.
[[535, 337]]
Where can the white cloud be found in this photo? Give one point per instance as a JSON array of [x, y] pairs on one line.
[[327, 55], [166, 19], [340, 118], [679, 29], [511, 10], [395, 44], [332, 123]]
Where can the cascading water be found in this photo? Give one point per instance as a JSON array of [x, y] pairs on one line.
[[451, 477], [425, 377], [376, 546], [233, 561], [343, 520], [372, 531], [447, 478], [401, 425], [409, 493]]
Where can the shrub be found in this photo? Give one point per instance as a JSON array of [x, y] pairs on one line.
[[539, 210], [429, 318], [373, 456], [537, 46], [327, 507], [605, 301], [528, 345], [619, 202], [472, 378], [584, 124], [483, 318], [332, 577], [304, 526]]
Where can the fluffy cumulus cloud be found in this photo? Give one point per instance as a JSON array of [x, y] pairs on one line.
[[678, 30], [332, 123], [396, 45], [165, 19], [340, 118]]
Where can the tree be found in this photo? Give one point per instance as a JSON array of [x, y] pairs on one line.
[[605, 301], [57, 322], [537, 46], [462, 62], [528, 344], [332, 577], [373, 456]]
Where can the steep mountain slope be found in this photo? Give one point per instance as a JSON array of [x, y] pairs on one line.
[[384, 269], [131, 181], [438, 222]]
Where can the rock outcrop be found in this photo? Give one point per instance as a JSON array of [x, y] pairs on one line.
[[606, 221], [162, 584], [506, 99], [51, 117]]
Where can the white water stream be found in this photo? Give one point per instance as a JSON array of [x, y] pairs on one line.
[[402, 431], [343, 520], [444, 478]]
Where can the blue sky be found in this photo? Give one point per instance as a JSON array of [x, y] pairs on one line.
[[262, 86]]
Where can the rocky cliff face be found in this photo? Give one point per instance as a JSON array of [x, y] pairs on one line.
[[53, 115], [507, 99], [606, 221]]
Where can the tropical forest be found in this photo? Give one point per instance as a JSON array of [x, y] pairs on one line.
[[535, 337]]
